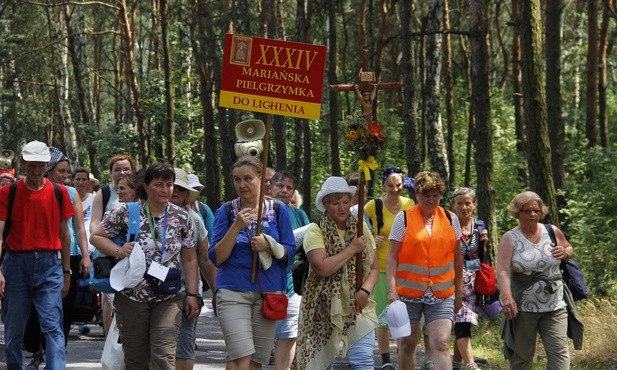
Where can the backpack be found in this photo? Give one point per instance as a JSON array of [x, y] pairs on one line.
[[102, 265], [571, 272], [106, 192], [9, 212], [379, 214]]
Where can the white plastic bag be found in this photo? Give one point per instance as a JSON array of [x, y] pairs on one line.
[[129, 271], [113, 356]]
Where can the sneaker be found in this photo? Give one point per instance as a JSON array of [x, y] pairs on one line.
[[387, 366], [470, 366], [457, 365], [429, 365], [84, 329], [37, 360]]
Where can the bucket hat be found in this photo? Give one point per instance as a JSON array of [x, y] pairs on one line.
[[35, 151], [398, 319], [182, 180], [194, 182], [333, 185]]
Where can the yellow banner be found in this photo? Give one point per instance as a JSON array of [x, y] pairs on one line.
[[264, 104]]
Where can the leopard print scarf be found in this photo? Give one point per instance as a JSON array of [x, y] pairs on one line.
[[328, 302]]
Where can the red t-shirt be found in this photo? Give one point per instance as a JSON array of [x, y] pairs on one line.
[[35, 220]]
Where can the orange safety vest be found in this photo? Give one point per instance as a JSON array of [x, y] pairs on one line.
[[426, 261]]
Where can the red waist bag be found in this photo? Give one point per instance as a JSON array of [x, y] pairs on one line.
[[485, 280]]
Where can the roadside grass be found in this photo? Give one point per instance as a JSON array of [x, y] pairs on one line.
[[599, 345]]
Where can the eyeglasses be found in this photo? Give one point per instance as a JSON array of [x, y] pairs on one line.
[[530, 211], [179, 189]]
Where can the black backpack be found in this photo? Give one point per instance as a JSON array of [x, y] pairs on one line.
[[571, 272]]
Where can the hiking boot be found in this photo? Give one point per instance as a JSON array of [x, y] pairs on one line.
[[37, 360]]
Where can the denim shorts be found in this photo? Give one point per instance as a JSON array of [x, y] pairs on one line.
[[288, 328], [432, 312], [186, 339]]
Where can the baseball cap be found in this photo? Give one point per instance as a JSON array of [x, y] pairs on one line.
[[398, 320], [35, 151]]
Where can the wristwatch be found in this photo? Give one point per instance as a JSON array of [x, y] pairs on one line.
[[67, 272]]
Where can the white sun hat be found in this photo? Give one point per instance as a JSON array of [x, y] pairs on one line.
[[182, 180], [398, 320], [333, 185], [194, 182]]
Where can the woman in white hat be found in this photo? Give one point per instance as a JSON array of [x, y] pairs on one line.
[[333, 310], [183, 196]]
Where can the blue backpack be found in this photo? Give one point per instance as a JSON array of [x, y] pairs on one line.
[[102, 264]]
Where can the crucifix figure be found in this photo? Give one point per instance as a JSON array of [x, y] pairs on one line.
[[366, 89], [366, 92]]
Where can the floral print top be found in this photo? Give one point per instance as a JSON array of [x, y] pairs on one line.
[[179, 235]]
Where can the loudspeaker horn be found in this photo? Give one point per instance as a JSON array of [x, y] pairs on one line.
[[250, 130]]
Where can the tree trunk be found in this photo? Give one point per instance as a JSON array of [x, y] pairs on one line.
[[436, 147], [517, 92], [333, 140], [209, 72], [591, 116], [555, 11], [302, 144], [602, 75], [128, 43], [169, 126], [410, 104], [480, 99], [449, 87], [88, 134], [534, 103], [64, 103]]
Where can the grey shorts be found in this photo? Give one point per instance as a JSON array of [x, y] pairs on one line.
[[288, 328], [432, 312], [245, 330], [186, 339]]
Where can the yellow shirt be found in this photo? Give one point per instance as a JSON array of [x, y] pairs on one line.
[[388, 219]]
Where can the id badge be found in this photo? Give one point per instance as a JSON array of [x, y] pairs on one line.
[[158, 271], [473, 265]]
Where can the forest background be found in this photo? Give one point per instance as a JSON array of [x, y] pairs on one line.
[[502, 96]]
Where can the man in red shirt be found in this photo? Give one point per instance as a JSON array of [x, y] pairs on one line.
[[36, 267]]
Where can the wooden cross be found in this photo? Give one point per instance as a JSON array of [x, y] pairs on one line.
[[366, 92], [366, 89]]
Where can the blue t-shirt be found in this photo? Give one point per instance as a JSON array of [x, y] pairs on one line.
[[235, 272]]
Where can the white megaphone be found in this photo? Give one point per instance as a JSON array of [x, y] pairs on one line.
[[249, 134]]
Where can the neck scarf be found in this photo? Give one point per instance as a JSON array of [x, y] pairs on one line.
[[328, 303]]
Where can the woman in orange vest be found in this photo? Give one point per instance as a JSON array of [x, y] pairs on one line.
[[425, 270]]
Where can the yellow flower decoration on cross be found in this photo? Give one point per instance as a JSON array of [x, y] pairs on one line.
[[367, 166]]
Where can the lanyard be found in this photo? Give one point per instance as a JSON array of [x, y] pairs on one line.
[[151, 224]]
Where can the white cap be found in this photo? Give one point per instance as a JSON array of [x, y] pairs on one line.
[[36, 151], [398, 320]]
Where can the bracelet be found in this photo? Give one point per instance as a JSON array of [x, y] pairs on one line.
[[504, 297], [192, 295], [364, 290]]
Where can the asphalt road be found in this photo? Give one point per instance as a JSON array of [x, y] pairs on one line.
[[84, 351]]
